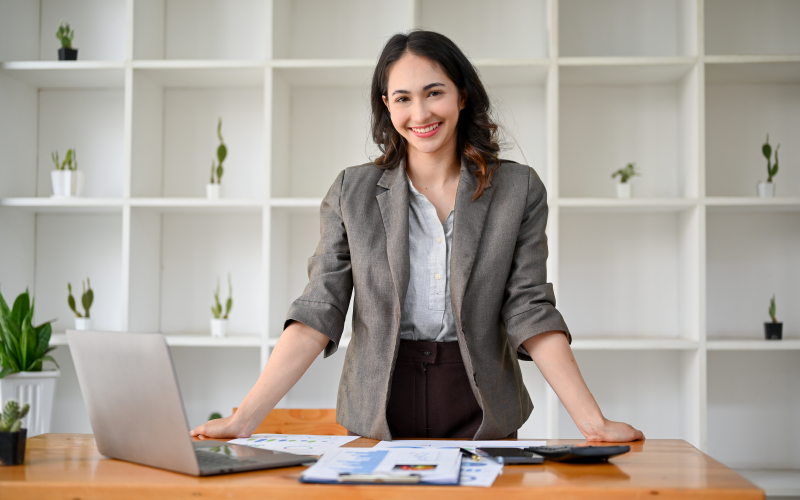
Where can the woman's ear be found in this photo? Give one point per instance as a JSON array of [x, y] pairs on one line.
[[385, 102], [462, 99]]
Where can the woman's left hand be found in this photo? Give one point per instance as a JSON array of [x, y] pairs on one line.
[[613, 432]]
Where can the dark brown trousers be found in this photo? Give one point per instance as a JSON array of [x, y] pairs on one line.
[[431, 396]]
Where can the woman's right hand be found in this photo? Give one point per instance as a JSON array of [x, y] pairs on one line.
[[227, 427]]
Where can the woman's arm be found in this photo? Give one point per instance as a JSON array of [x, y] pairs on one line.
[[552, 354], [297, 348]]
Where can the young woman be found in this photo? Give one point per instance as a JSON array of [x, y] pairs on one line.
[[445, 247]]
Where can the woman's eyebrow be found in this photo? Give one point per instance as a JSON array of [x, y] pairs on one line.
[[426, 87]]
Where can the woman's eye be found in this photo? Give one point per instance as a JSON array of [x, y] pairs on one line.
[[434, 93], [402, 99]]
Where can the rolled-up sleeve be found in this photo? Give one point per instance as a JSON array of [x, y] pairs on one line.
[[530, 303], [324, 302]]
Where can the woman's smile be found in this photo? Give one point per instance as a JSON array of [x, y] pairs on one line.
[[426, 131]]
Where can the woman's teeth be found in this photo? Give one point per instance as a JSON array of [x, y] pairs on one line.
[[426, 129]]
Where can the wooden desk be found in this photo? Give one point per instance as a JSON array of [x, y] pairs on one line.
[[69, 466]]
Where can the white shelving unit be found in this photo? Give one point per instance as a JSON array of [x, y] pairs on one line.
[[665, 293]]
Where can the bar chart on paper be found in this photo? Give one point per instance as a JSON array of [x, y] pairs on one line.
[[295, 443]]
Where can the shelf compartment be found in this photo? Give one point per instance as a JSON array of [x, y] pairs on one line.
[[753, 404], [201, 29], [752, 69], [355, 29], [29, 26], [523, 23], [67, 74], [738, 118], [198, 205], [630, 275], [627, 28], [644, 390], [751, 27], [752, 205], [604, 127], [175, 139], [70, 248], [750, 257], [175, 261]]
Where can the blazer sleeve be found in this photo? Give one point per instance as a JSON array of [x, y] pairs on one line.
[[530, 303], [324, 302]]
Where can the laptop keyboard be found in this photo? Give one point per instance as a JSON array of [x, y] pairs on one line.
[[211, 460]]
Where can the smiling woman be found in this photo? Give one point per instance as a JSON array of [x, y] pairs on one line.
[[444, 245]]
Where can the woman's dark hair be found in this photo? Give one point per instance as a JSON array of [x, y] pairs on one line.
[[476, 134]]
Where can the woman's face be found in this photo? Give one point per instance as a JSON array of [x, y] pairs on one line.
[[424, 104]]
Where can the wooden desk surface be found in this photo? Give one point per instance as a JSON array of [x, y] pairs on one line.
[[69, 466]]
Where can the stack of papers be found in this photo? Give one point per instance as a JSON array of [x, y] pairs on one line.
[[393, 466], [295, 443]]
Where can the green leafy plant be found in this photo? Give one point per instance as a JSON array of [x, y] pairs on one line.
[[11, 418], [216, 309], [65, 34], [772, 309], [86, 299], [222, 153], [215, 416], [766, 150], [23, 347], [626, 173], [70, 160]]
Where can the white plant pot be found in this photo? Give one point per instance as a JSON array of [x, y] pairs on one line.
[[67, 183], [623, 190], [219, 327], [83, 323], [213, 191], [37, 389], [766, 190]]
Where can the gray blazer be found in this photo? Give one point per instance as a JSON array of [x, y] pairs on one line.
[[499, 290]]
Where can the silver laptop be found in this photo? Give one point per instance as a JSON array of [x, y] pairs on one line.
[[135, 407]]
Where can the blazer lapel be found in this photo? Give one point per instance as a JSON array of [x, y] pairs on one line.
[[393, 205], [468, 223]]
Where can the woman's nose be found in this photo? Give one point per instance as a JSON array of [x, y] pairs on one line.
[[420, 112]]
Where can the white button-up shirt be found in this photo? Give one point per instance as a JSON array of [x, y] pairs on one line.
[[427, 313]]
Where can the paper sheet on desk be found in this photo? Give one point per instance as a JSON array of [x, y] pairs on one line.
[[433, 466], [295, 443], [479, 472], [470, 445]]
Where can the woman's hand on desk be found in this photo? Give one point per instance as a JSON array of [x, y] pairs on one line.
[[226, 427], [613, 432]]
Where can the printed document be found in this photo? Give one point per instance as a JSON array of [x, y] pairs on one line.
[[470, 445], [295, 443]]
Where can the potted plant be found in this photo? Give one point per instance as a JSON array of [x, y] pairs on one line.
[[767, 189], [12, 435], [213, 187], [219, 323], [82, 321], [67, 180], [773, 330], [625, 174], [23, 350], [66, 52]]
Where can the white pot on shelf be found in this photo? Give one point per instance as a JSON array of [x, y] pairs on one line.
[[213, 191], [83, 323], [623, 190], [67, 183], [219, 327], [766, 190], [37, 389]]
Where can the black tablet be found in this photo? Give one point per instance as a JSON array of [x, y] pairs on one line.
[[511, 456]]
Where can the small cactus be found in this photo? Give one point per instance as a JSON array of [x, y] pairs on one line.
[[222, 153], [772, 309], [766, 150], [215, 416], [11, 419], [216, 309], [626, 173], [70, 160], [87, 298], [65, 34]]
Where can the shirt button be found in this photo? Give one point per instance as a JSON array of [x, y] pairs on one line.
[[439, 239], [438, 276]]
